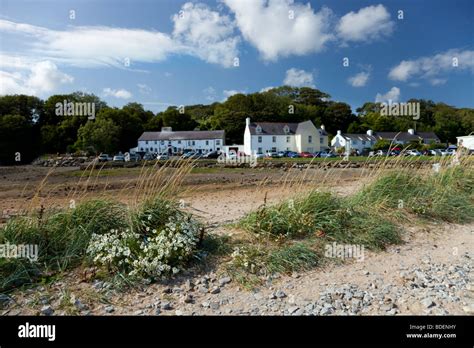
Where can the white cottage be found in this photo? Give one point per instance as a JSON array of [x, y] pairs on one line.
[[179, 142], [264, 137]]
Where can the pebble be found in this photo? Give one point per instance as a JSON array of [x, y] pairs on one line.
[[47, 310]]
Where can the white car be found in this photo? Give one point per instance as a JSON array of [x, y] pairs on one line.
[[448, 152], [413, 153], [163, 156]]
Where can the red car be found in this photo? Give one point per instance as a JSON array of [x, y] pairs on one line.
[[306, 155]]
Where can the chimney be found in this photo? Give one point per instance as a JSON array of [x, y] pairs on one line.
[[411, 131], [323, 127], [338, 132], [370, 132], [166, 129], [247, 121]]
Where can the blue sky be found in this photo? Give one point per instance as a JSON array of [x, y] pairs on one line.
[[183, 52]]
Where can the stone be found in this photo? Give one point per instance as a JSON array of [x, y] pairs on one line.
[[293, 309], [428, 302], [225, 280], [109, 309], [187, 298], [47, 310], [215, 290], [280, 294], [214, 305], [166, 305]]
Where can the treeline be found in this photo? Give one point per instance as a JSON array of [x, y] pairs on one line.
[[30, 126]]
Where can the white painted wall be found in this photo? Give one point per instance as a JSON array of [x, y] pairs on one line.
[[158, 146]]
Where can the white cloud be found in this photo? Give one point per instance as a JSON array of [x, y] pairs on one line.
[[267, 26], [210, 93], [144, 88], [266, 89], [200, 33], [31, 78], [369, 23], [206, 33], [360, 79], [432, 67], [117, 93], [393, 95], [231, 92], [298, 78]]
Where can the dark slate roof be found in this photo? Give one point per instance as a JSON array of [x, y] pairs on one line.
[[405, 136], [182, 135], [277, 128], [365, 137], [272, 128]]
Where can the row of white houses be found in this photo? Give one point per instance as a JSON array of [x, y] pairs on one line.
[[260, 137], [269, 137]]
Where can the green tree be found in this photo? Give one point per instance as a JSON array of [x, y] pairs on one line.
[[100, 135]]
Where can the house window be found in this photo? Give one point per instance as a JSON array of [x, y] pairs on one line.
[[193, 143], [179, 141], [146, 142], [274, 149], [258, 129], [259, 150], [218, 142], [287, 139], [310, 138], [155, 142], [321, 140], [207, 142], [287, 149], [274, 139], [141, 149], [162, 142], [259, 139]]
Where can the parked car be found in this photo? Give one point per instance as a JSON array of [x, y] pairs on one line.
[[271, 155], [259, 155], [283, 153], [306, 155], [119, 158], [394, 153], [163, 156], [381, 153], [292, 154], [434, 152], [188, 154], [132, 157], [212, 154], [149, 156], [413, 153], [448, 152], [325, 154], [103, 157]]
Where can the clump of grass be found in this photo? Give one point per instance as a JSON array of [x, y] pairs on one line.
[[295, 217], [292, 258], [61, 236], [446, 196]]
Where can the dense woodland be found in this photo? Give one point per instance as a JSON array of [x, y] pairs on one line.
[[30, 126]]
